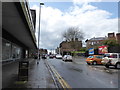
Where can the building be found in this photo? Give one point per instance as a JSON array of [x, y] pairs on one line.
[[68, 46], [18, 31], [118, 37], [33, 13], [116, 48], [94, 42], [43, 51]]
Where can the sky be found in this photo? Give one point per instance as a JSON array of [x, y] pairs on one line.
[[94, 19]]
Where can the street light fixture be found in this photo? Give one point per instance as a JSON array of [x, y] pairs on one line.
[[39, 29]]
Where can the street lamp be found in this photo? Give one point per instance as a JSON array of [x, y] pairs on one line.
[[39, 29]]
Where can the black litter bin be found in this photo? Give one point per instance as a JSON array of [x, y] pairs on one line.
[[23, 71]]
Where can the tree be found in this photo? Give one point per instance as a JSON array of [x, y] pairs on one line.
[[73, 33], [110, 42]]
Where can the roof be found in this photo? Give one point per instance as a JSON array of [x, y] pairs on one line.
[[98, 38]]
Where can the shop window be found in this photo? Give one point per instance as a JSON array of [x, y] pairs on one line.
[[16, 51], [10, 51], [6, 49]]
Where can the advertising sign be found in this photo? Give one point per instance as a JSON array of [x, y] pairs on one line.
[[91, 51], [102, 49]]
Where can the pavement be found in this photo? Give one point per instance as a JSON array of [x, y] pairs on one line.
[[39, 76]]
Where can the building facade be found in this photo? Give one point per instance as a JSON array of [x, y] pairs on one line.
[[18, 31], [94, 42], [68, 46], [98, 41]]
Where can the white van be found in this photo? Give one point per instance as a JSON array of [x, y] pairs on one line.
[[111, 59]]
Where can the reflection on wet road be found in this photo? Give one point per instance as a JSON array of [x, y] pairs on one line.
[[81, 75]]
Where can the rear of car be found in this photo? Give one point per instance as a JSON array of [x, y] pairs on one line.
[[44, 56], [94, 59], [51, 56], [111, 59], [58, 56], [67, 58]]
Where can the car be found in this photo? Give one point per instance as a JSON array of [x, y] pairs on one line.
[[67, 58], [111, 59], [51, 56], [94, 59], [58, 56], [44, 56]]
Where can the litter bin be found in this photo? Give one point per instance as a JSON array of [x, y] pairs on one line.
[[23, 71]]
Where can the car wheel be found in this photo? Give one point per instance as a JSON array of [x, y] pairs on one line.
[[88, 63], [107, 66], [94, 63], [117, 66]]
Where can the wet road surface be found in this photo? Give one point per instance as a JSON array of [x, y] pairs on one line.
[[80, 75]]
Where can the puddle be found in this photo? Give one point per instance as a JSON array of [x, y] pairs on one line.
[[76, 69]]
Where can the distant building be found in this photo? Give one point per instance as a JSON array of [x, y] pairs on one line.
[[68, 46], [43, 51], [97, 41], [114, 49], [115, 37], [118, 37], [94, 42], [111, 35]]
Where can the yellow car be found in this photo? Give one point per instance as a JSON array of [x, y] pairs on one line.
[[94, 59]]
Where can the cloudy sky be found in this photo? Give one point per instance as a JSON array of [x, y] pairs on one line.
[[95, 19]]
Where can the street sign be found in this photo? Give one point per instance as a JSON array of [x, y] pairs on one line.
[[91, 51], [103, 49]]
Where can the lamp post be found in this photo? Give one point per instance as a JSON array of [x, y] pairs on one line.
[[39, 29]]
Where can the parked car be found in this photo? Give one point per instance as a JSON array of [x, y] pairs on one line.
[[111, 59], [44, 56], [58, 56], [51, 56], [94, 59], [67, 58]]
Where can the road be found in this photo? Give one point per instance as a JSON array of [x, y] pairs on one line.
[[80, 75], [76, 74]]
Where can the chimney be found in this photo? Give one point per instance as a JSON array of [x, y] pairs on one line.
[[72, 39], [76, 39], [111, 35]]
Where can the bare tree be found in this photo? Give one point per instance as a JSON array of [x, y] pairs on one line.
[[72, 33]]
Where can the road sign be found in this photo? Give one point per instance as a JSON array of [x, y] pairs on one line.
[[91, 51]]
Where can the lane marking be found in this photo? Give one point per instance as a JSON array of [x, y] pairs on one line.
[[61, 79], [63, 83]]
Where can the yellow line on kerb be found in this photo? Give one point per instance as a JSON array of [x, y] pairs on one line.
[[63, 83]]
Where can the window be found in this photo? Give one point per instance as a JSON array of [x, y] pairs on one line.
[[114, 55], [90, 57], [6, 49], [100, 57], [10, 51], [16, 51], [111, 55]]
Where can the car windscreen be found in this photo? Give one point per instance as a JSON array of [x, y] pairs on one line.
[[111, 55], [90, 57]]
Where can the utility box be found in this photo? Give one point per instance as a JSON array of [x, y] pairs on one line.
[[23, 71]]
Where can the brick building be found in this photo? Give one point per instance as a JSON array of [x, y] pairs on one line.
[[118, 37], [68, 46], [94, 42]]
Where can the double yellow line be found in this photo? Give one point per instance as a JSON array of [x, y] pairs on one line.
[[63, 83]]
